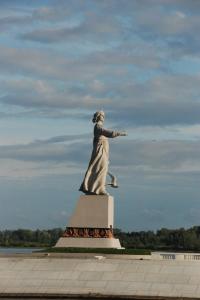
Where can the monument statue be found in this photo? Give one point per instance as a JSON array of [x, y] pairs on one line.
[[91, 224], [94, 182]]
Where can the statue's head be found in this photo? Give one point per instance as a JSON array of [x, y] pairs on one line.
[[98, 116]]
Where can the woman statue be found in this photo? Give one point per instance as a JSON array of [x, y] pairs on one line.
[[94, 182]]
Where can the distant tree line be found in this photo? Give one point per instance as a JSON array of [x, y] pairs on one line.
[[29, 238], [163, 239]]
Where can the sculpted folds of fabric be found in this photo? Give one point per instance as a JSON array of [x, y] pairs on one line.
[[94, 182], [95, 177]]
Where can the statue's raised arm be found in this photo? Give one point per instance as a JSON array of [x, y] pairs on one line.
[[94, 182]]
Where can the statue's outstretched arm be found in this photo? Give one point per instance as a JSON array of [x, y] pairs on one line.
[[112, 133]]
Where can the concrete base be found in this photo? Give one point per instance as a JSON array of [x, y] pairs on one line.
[[93, 211], [88, 243]]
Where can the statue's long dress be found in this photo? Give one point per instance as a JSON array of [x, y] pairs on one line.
[[95, 178]]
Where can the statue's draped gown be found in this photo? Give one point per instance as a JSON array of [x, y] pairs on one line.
[[95, 178]]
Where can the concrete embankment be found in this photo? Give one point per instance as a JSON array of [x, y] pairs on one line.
[[93, 276]]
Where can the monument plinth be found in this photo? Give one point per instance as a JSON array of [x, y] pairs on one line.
[[91, 224], [92, 211]]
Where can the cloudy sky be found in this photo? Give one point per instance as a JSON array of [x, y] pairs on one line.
[[60, 61]]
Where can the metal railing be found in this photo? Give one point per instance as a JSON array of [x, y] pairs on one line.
[[174, 256]]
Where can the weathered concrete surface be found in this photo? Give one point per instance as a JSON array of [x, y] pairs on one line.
[[88, 243], [96, 275], [93, 211]]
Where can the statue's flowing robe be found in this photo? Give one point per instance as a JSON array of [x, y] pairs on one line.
[[95, 178]]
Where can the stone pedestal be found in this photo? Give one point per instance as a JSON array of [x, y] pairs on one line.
[[91, 224]]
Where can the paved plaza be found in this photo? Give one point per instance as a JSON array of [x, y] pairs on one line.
[[92, 274]]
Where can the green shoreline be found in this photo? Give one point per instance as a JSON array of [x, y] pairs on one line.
[[98, 250], [161, 240], [85, 250]]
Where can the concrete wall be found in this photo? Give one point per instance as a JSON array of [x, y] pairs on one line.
[[92, 275]]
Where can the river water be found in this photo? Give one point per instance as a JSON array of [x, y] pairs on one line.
[[25, 250]]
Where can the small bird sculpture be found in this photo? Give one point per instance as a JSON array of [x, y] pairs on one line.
[[113, 181]]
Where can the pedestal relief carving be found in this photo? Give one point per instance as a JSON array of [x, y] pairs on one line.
[[77, 232]]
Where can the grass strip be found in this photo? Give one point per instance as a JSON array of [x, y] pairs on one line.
[[98, 250]]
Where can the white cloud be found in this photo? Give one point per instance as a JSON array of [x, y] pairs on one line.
[[65, 153], [32, 62], [27, 170], [164, 100]]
